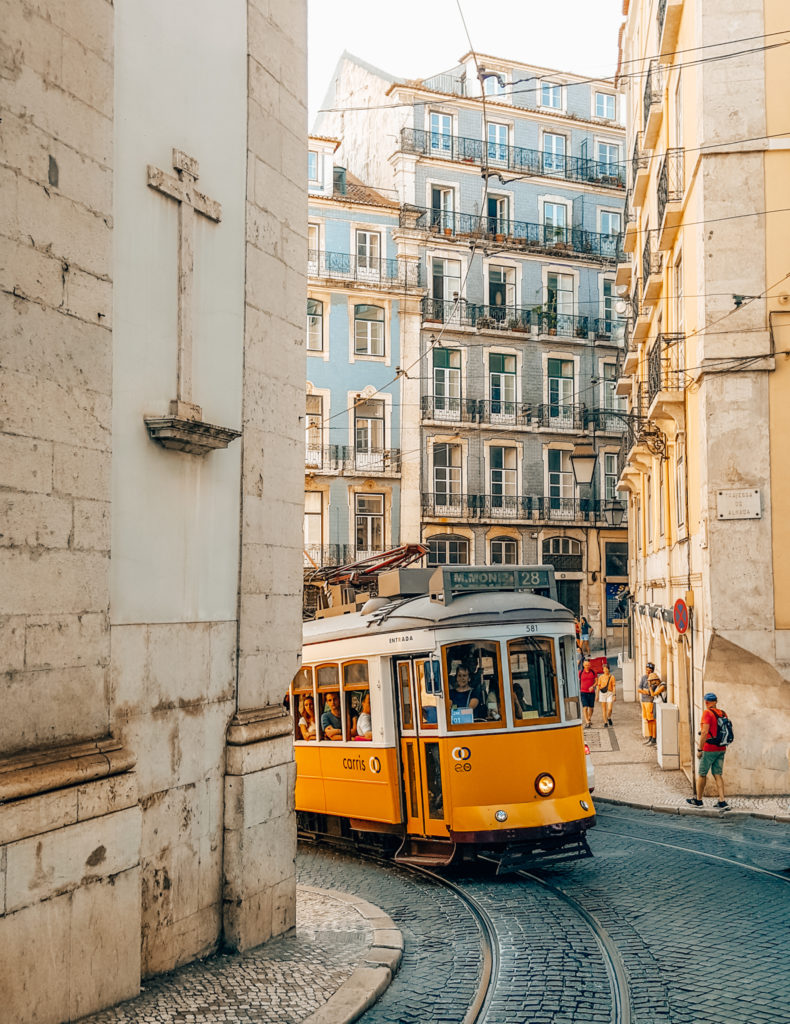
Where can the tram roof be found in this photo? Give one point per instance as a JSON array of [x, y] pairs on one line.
[[487, 609]]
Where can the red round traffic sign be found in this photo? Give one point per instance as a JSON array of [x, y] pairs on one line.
[[680, 613]]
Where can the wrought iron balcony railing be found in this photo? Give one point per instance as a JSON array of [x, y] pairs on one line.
[[564, 563], [653, 89], [652, 258], [318, 555], [608, 421], [341, 458], [670, 181], [516, 318], [516, 159], [524, 235], [526, 508], [342, 266], [452, 409], [639, 158], [561, 416], [664, 372]]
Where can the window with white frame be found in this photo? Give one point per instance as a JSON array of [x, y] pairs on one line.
[[446, 383], [608, 304], [369, 427], [608, 156], [502, 384], [677, 276], [503, 551], [492, 86], [369, 522], [501, 291], [611, 401], [649, 517], [553, 153], [498, 209], [441, 134], [445, 278], [561, 485], [368, 330], [315, 325], [560, 389], [680, 488], [555, 222], [312, 165], [442, 208], [497, 142], [610, 491], [560, 302], [448, 550], [551, 95], [313, 524], [447, 475], [605, 106], [561, 546], [503, 477], [611, 222], [368, 254], [314, 430]]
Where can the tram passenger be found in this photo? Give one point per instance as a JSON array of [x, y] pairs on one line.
[[519, 701], [331, 726], [307, 722], [363, 725]]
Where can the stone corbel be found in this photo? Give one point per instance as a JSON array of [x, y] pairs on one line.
[[185, 430]]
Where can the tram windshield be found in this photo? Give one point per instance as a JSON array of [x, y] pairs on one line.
[[473, 680], [570, 678], [534, 679]]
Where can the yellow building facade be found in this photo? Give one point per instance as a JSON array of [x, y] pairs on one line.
[[706, 279]]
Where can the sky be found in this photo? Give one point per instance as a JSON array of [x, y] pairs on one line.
[[419, 38]]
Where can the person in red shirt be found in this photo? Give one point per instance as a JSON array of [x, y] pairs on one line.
[[711, 756], [587, 688]]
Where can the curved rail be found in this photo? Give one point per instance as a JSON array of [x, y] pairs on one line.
[[615, 968]]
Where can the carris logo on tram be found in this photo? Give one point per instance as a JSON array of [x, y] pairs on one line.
[[461, 756]]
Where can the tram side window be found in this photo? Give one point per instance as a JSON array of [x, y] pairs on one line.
[[429, 712], [329, 702], [356, 689], [474, 684], [304, 705], [534, 680], [570, 678]]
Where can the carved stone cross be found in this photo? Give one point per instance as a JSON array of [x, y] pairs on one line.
[[190, 202]]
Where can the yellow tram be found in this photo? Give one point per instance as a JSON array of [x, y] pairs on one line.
[[448, 720]]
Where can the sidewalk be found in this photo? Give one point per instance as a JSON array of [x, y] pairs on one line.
[[626, 771], [340, 959]]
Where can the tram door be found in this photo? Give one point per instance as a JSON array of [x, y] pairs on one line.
[[420, 753]]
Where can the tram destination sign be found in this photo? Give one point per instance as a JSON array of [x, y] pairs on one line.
[[449, 583]]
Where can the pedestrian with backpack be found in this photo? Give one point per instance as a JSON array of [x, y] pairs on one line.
[[714, 737]]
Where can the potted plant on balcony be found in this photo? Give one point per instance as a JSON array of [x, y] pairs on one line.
[[485, 322]]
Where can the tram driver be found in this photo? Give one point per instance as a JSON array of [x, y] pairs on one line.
[[331, 726], [462, 693]]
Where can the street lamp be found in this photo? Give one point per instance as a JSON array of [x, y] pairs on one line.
[[614, 512], [583, 460]]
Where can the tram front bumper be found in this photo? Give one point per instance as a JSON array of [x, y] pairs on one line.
[[554, 835]]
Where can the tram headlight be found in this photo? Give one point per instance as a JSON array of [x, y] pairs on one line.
[[584, 805], [544, 784], [501, 815]]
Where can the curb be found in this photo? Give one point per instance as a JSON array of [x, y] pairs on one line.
[[704, 812], [381, 962]]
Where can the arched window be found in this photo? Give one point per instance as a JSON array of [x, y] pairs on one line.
[[315, 325], [368, 330], [447, 549], [564, 553], [504, 551]]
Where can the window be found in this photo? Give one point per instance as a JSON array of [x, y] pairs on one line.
[[570, 678], [611, 222], [448, 550], [610, 476], [313, 244], [368, 330], [328, 679], [303, 704], [497, 142], [315, 325], [649, 524], [446, 383], [608, 157], [560, 392], [610, 399], [555, 222], [553, 153], [492, 86], [314, 430], [502, 384], [368, 254], [534, 679], [608, 306], [504, 551], [617, 558], [447, 475], [604, 106], [551, 95], [472, 678], [442, 208], [680, 489], [561, 490], [441, 134], [313, 524], [501, 292], [498, 219], [504, 484], [369, 513], [560, 302], [369, 435], [356, 691], [562, 546], [312, 165], [661, 500], [678, 290], [446, 278]]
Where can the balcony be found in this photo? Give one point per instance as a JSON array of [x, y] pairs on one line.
[[518, 509], [607, 421], [652, 107], [513, 159], [640, 314], [382, 273], [535, 320], [559, 416], [669, 14], [669, 195], [640, 171], [652, 267], [518, 235], [631, 228], [666, 382], [317, 556], [345, 460]]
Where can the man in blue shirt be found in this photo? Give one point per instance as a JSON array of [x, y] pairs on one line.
[[331, 726]]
